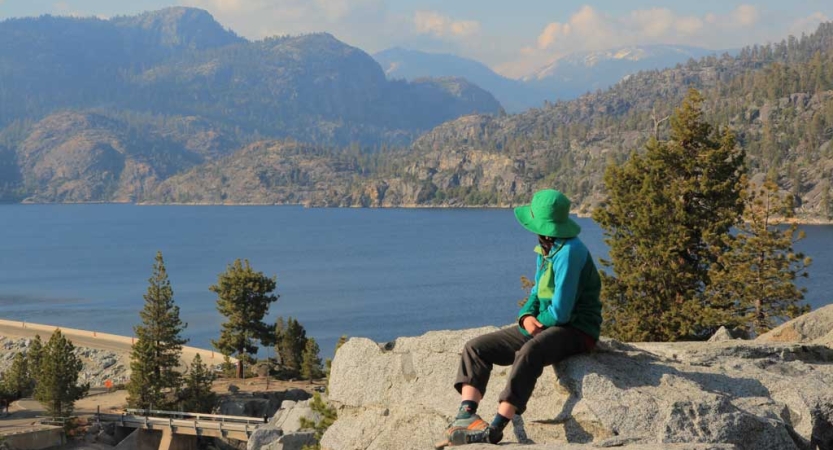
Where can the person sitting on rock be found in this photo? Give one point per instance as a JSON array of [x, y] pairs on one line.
[[562, 317]]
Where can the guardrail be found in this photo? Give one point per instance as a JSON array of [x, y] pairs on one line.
[[240, 430], [55, 421], [196, 416]]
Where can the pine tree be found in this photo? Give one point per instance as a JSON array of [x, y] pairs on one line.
[[35, 354], [243, 297], [291, 341], [280, 329], [197, 395], [18, 379], [155, 357], [57, 387], [143, 389], [755, 280], [311, 361], [664, 220]]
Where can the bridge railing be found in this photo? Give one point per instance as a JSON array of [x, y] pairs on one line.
[[201, 426], [55, 421], [196, 416]]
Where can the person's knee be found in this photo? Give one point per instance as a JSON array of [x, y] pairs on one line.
[[473, 346]]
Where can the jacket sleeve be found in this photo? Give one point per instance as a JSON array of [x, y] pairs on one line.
[[530, 308], [532, 305], [567, 267]]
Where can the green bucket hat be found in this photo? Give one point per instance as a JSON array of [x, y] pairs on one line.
[[548, 215]]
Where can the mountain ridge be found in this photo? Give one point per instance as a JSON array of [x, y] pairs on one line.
[[175, 81]]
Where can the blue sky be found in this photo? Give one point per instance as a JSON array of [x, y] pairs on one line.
[[513, 37]]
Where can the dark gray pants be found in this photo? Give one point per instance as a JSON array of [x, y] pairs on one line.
[[528, 356]]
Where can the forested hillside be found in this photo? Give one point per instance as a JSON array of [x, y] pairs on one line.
[[173, 88], [778, 99], [291, 105]]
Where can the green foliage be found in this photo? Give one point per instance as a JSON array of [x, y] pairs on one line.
[[311, 368], [664, 220], [145, 386], [243, 297], [228, 368], [34, 355], [154, 359], [57, 387], [18, 381], [328, 416], [753, 283], [197, 395], [291, 342]]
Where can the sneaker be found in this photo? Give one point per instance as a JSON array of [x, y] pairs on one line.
[[495, 435], [470, 430]]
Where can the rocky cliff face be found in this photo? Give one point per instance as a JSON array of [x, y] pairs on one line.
[[89, 157], [734, 394]]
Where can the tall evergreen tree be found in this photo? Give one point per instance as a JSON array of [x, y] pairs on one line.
[[18, 379], [57, 387], [666, 214], [291, 341], [755, 280], [143, 389], [158, 347], [197, 395], [243, 297], [311, 361], [34, 355]]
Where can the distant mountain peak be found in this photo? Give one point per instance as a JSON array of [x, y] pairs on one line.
[[180, 26], [628, 59]]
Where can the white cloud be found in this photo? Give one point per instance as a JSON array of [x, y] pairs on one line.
[[589, 29], [551, 34], [442, 26], [689, 25], [808, 24], [746, 15], [654, 22]]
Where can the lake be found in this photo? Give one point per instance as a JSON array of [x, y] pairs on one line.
[[379, 273]]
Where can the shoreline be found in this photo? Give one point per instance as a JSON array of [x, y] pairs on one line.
[[577, 213], [104, 341]]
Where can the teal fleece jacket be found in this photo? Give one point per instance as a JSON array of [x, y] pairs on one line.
[[567, 288]]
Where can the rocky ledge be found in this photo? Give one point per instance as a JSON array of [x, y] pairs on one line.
[[772, 393]]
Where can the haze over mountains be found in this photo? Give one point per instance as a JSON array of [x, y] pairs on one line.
[[170, 107], [180, 61], [101, 110], [778, 100], [564, 79]]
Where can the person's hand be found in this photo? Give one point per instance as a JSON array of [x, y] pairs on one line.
[[532, 326]]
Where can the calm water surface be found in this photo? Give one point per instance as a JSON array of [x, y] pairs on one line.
[[359, 272]]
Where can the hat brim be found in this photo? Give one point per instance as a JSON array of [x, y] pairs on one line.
[[543, 227]]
